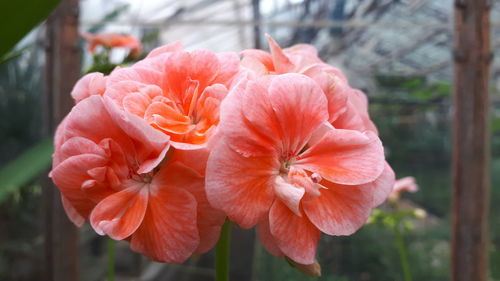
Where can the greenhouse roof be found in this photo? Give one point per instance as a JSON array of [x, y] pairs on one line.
[[363, 37]]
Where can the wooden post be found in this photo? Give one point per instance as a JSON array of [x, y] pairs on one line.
[[61, 72], [471, 145], [256, 28]]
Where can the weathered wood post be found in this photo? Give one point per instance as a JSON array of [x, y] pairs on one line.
[[61, 72], [471, 144]]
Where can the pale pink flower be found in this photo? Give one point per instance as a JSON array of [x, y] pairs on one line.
[[406, 184], [282, 166]]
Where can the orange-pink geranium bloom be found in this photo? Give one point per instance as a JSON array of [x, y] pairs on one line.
[[114, 170], [281, 165], [347, 107], [113, 40], [176, 92]]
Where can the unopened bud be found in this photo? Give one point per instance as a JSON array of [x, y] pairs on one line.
[[420, 213], [313, 269]]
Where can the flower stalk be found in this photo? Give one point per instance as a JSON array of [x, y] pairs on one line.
[[403, 256], [222, 252], [111, 259]]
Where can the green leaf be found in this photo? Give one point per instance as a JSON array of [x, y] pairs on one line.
[[18, 18], [25, 168]]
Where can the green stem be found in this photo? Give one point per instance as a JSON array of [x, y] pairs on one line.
[[402, 252], [222, 253], [111, 259]]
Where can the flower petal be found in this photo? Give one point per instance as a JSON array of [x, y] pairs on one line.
[[71, 174], [151, 145], [90, 84], [340, 209], [300, 107], [383, 185], [345, 157], [289, 194], [73, 214], [282, 63], [209, 220], [240, 186], [172, 47], [168, 232], [267, 239], [248, 137], [120, 214], [295, 236]]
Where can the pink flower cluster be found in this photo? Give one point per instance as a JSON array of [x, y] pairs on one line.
[[159, 153]]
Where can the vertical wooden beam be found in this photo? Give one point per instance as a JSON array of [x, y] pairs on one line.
[[62, 70], [471, 144]]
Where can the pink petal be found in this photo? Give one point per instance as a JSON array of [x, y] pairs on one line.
[[383, 185], [120, 90], [282, 63], [289, 194], [140, 73], [69, 177], [229, 66], [119, 215], [267, 239], [340, 209], [78, 145], [240, 186], [335, 89], [345, 157], [172, 47], [243, 135], [90, 119], [299, 106], [205, 67], [261, 56], [73, 215], [90, 84], [356, 115], [296, 237], [151, 145], [209, 220], [168, 232]]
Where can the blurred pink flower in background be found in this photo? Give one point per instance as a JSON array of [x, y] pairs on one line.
[[113, 40], [406, 184]]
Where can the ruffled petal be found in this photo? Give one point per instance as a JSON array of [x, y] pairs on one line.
[[209, 220], [120, 214], [267, 239], [289, 194], [151, 145], [71, 174], [91, 84], [282, 63], [299, 106], [172, 47], [383, 185], [296, 237], [168, 232], [240, 186], [340, 209], [250, 130], [345, 157]]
